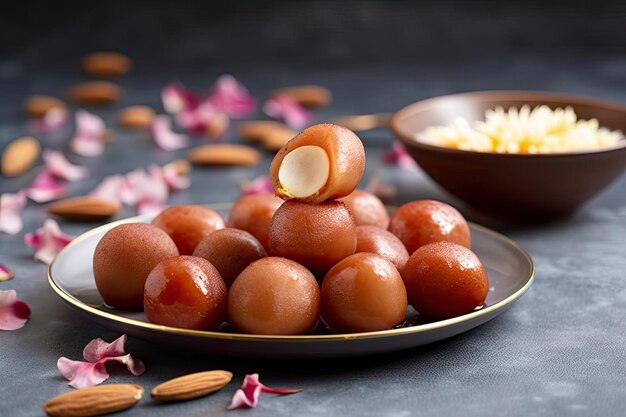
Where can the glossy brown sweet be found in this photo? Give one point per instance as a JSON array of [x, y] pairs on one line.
[[367, 209], [188, 225], [274, 296], [363, 293], [230, 251], [421, 222], [315, 235], [253, 213], [344, 162], [444, 279], [123, 259], [187, 292], [373, 239]]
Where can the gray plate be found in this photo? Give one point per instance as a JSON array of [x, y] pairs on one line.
[[509, 267]]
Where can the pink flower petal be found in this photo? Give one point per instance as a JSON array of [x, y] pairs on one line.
[[47, 241], [97, 353], [61, 168], [399, 156], [45, 187], [89, 137], [177, 98], [6, 273], [248, 394], [148, 190], [176, 175], [163, 135], [259, 185], [381, 189], [110, 189], [53, 120], [11, 205], [287, 110], [14, 313], [232, 97]]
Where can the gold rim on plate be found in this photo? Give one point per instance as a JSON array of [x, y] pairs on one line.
[[70, 299]]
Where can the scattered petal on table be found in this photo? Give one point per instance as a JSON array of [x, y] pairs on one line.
[[47, 241], [11, 205], [46, 187], [164, 137], [142, 188], [97, 353], [176, 174], [381, 189], [90, 132], [53, 120], [200, 118], [6, 273], [177, 98], [232, 97], [248, 394], [259, 185], [58, 165], [110, 189], [14, 313], [288, 110], [399, 156]]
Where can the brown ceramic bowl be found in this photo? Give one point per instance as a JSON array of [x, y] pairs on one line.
[[518, 187]]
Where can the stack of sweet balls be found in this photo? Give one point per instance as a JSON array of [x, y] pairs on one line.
[[318, 249]]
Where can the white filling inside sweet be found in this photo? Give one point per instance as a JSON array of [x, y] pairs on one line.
[[304, 171]]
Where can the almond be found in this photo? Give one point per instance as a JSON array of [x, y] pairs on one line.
[[94, 401], [19, 156], [136, 116], [191, 386], [38, 105], [217, 126], [363, 122], [106, 64], [94, 92], [84, 209], [178, 166], [271, 135], [311, 96], [224, 154]]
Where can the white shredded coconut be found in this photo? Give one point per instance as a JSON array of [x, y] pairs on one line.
[[540, 130]]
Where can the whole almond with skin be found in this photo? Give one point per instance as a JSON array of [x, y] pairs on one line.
[[136, 116], [38, 105], [19, 156], [311, 96], [179, 166], [94, 92], [224, 154], [94, 401], [106, 64], [191, 386], [269, 134], [84, 209]]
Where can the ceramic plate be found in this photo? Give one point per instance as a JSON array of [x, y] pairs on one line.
[[509, 267]]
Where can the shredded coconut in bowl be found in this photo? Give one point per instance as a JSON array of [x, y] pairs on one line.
[[540, 130]]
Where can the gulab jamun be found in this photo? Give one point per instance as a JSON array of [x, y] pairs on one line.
[[444, 279], [230, 251], [188, 225], [274, 296], [373, 239], [367, 209], [315, 235], [421, 222], [253, 213], [123, 259], [187, 292], [363, 293]]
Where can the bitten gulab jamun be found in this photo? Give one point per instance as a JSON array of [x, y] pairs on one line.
[[274, 296], [323, 162], [230, 251], [373, 239], [188, 225], [253, 213], [363, 293], [123, 259], [367, 209], [421, 222], [187, 292], [444, 279], [315, 235]]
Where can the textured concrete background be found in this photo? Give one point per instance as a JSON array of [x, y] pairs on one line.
[[558, 352]]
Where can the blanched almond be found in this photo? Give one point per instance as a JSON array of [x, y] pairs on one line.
[[19, 156], [269, 134], [94, 92], [104, 64], [311, 96], [224, 154], [84, 209], [38, 105], [191, 386], [136, 116], [94, 401]]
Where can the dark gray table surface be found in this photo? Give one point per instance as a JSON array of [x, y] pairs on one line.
[[559, 351]]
